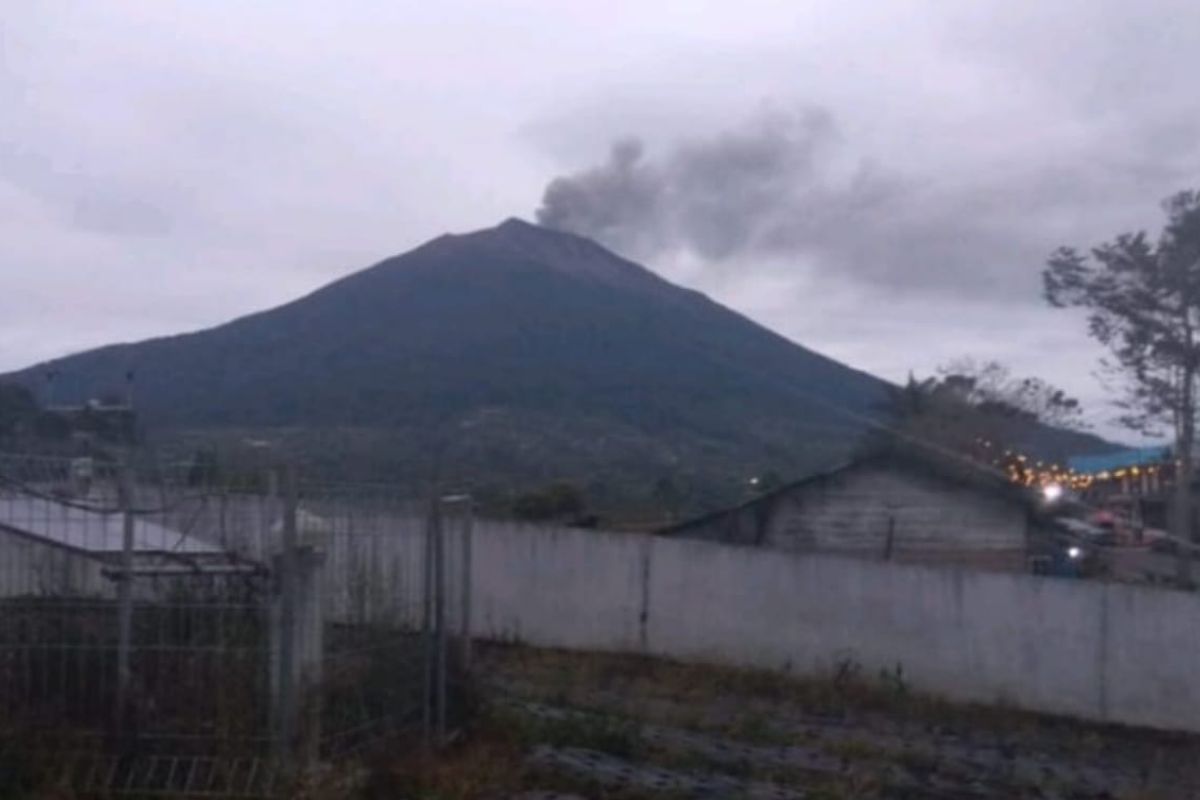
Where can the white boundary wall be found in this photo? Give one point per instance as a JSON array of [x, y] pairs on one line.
[[1100, 651]]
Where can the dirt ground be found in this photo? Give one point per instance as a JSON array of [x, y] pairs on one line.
[[565, 725]]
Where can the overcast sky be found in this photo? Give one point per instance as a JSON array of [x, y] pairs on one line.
[[877, 180]]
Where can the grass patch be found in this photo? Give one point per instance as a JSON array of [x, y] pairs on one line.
[[755, 728], [616, 737], [604, 700], [702, 696]]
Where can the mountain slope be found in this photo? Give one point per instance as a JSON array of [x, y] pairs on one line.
[[515, 350]]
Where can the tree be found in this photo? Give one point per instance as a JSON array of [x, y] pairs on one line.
[[205, 468], [558, 501], [975, 409], [1142, 300], [668, 497], [932, 412], [18, 410], [991, 388], [51, 426]]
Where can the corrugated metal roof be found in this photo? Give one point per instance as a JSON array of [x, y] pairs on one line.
[[93, 532], [1121, 459]]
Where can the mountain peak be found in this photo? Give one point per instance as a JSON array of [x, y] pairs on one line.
[[563, 252], [516, 230], [517, 224]]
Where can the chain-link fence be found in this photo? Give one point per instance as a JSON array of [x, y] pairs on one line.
[[160, 633]]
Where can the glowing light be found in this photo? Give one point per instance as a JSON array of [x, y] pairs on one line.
[[1052, 492]]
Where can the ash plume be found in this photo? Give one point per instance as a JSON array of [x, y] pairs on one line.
[[761, 187]]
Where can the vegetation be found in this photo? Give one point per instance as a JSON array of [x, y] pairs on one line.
[[559, 502], [26, 425], [1142, 299], [848, 736], [18, 412], [992, 390], [982, 411]]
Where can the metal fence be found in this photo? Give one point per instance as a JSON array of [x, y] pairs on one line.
[[165, 635]]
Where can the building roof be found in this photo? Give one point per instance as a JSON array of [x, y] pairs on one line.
[[1121, 459], [93, 532], [949, 466]]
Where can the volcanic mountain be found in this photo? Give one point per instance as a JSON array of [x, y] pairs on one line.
[[514, 354]]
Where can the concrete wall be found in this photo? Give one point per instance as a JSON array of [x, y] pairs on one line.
[[1107, 652], [560, 587], [1100, 651], [931, 519]]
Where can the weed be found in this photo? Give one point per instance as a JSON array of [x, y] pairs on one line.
[[846, 671], [852, 750], [755, 728], [918, 762], [759, 706], [616, 737], [484, 763], [893, 681]]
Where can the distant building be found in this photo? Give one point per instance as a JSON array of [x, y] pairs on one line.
[[100, 421], [1144, 471], [1135, 483], [910, 507], [51, 547]]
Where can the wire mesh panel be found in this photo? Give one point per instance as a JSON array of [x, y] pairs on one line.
[[58, 617], [199, 658], [162, 635], [386, 595], [124, 639]]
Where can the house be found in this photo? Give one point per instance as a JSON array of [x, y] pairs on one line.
[[909, 506]]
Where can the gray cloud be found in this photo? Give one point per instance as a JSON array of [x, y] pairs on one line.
[[787, 190], [125, 216], [87, 202]]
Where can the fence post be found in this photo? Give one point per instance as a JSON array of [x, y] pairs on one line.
[[435, 627], [309, 650], [297, 646], [468, 533], [463, 516], [439, 589], [297, 650], [427, 623], [125, 501]]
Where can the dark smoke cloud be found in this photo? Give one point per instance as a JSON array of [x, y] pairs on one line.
[[618, 202], [757, 188], [785, 190]]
